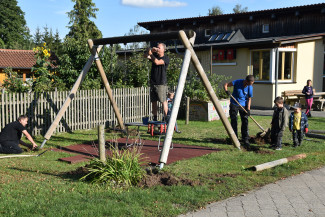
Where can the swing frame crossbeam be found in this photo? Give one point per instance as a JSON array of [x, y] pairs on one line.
[[187, 37]]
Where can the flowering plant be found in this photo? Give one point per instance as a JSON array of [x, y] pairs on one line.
[[44, 70]]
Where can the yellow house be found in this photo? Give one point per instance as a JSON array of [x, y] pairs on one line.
[[21, 61], [282, 47]]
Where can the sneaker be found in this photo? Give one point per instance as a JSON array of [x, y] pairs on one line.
[[178, 131], [278, 148], [295, 145]]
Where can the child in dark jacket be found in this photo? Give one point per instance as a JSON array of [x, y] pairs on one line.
[[279, 123], [298, 125]]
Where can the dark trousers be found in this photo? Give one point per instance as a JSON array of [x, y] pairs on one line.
[[10, 147], [297, 137], [233, 112], [276, 137]]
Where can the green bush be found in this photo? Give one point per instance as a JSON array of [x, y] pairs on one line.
[[122, 169], [14, 82], [195, 89]]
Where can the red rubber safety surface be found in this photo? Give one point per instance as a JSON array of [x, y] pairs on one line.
[[149, 149]]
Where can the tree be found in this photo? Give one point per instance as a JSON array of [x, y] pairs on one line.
[[216, 10], [137, 30], [81, 26], [13, 30], [75, 51], [37, 37], [239, 9]]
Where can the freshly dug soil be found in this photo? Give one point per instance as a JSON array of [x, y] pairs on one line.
[[153, 178], [165, 179]]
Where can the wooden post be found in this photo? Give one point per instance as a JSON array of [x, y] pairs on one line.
[[106, 84], [69, 98], [278, 162], [209, 89], [187, 110], [101, 143]]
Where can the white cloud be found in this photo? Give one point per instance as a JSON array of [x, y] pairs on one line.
[[153, 3]]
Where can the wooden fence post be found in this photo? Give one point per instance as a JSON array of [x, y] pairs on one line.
[[187, 120], [101, 143]]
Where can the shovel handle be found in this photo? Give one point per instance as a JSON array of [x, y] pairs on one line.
[[247, 113]]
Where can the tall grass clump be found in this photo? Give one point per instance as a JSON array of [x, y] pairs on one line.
[[121, 169]]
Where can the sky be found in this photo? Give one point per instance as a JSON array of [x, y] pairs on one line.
[[117, 17]]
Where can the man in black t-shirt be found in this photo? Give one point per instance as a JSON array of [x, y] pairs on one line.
[[11, 134], [158, 78]]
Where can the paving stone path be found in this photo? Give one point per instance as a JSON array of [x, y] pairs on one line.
[[302, 195]]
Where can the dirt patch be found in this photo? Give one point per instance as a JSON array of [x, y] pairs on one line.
[[257, 150], [153, 178], [165, 179]]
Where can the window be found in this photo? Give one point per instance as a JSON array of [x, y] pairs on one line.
[[285, 66], [260, 65], [208, 32], [266, 28]]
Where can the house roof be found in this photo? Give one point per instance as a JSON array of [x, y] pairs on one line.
[[22, 59], [277, 11]]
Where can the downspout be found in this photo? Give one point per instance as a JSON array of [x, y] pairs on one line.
[[211, 60], [276, 71]]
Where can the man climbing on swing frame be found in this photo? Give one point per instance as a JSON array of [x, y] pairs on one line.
[[158, 78]]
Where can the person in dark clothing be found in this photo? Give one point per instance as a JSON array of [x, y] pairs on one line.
[[158, 78], [279, 123], [308, 91], [243, 92], [11, 134], [298, 125]]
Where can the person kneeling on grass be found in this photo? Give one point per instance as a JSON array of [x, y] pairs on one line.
[[11, 134], [298, 124]]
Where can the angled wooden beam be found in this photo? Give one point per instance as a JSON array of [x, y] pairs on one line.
[[93, 50], [71, 95]]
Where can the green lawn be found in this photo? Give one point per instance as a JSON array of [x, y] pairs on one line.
[[38, 186]]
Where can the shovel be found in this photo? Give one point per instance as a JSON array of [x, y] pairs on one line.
[[264, 131], [23, 155]]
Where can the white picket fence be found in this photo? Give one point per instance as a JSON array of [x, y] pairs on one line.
[[87, 110]]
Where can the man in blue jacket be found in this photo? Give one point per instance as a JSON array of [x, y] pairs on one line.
[[243, 93]]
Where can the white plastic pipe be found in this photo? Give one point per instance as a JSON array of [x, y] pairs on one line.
[[176, 104]]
